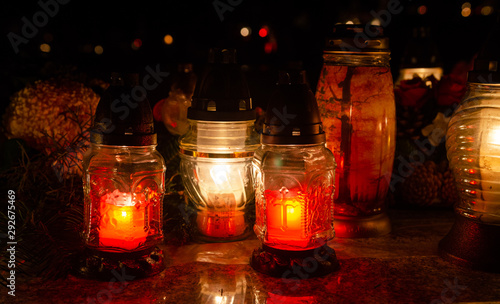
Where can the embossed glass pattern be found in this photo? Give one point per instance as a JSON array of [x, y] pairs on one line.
[[216, 168], [123, 187], [294, 195]]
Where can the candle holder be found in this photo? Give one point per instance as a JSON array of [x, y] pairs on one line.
[[356, 101], [216, 153], [294, 182], [123, 187], [473, 148]]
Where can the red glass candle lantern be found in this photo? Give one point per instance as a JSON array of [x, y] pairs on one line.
[[294, 181], [123, 186], [217, 151], [356, 102]]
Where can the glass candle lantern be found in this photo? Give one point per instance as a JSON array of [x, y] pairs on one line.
[[473, 148], [217, 151], [294, 181], [356, 102], [124, 183]]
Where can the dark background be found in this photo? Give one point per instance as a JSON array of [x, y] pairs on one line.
[[297, 27]]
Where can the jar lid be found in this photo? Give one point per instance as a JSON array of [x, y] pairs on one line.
[[292, 116], [221, 94], [357, 38], [122, 118]]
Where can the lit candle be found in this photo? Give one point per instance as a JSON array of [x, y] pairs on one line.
[[489, 162], [224, 195], [285, 217], [122, 221]]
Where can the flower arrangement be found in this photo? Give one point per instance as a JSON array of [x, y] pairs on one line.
[[423, 108]]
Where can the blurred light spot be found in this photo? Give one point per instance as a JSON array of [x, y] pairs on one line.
[[136, 44], [98, 49], [48, 37], [349, 22], [466, 12], [375, 22], [422, 9], [466, 5], [268, 47], [263, 32], [245, 31], [168, 39], [486, 10], [87, 48], [44, 47]]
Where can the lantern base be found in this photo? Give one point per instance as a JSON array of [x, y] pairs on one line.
[[362, 226], [294, 264], [102, 265], [472, 244]]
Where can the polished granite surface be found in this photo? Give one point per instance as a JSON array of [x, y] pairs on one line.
[[402, 267]]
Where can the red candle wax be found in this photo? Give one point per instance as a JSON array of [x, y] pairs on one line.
[[122, 222]]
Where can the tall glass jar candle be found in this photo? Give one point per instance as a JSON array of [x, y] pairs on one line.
[[356, 102]]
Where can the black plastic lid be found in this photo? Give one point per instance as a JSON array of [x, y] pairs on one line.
[[487, 64], [123, 116], [357, 38], [292, 116], [221, 94]]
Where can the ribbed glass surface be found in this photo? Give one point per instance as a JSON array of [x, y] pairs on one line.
[[473, 147]]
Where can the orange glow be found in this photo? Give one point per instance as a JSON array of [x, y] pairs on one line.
[[472, 171], [284, 218], [168, 39], [221, 224], [473, 183], [122, 222]]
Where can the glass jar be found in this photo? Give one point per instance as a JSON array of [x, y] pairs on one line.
[[216, 166], [294, 196], [123, 188], [473, 150], [216, 153], [473, 147], [356, 102], [294, 176]]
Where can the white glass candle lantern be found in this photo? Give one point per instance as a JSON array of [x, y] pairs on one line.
[[217, 151], [473, 147]]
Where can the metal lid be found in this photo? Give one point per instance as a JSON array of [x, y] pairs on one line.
[[292, 116], [357, 38], [221, 94], [122, 118]]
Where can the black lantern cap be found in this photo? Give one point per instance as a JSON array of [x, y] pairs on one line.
[[487, 64], [292, 116], [221, 94], [123, 116], [355, 38]]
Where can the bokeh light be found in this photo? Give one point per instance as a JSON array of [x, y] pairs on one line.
[[263, 32], [98, 49], [245, 31], [44, 47], [168, 39]]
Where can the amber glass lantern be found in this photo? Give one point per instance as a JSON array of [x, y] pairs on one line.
[[217, 151], [473, 148], [356, 102], [123, 186], [294, 182]]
